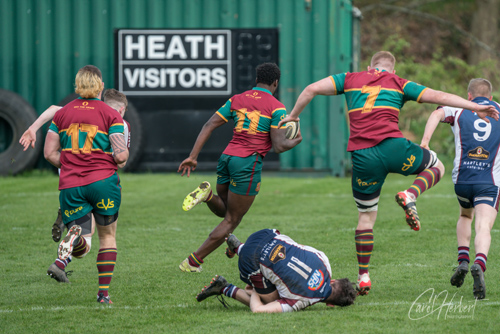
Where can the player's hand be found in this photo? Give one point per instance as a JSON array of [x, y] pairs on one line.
[[425, 145], [28, 138], [486, 110], [187, 166], [288, 118]]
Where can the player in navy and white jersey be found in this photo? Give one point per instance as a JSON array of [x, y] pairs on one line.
[[476, 175], [281, 276]]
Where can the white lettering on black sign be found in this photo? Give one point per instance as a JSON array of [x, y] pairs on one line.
[[174, 62]]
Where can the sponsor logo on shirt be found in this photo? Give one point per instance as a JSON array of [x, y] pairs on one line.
[[478, 153], [254, 95], [85, 105], [316, 280], [278, 253]]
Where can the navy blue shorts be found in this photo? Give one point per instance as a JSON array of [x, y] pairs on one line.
[[249, 261], [469, 195]]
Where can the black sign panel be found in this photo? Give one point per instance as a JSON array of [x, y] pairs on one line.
[[177, 79]]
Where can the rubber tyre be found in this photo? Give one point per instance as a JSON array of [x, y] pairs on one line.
[[136, 139], [19, 115]]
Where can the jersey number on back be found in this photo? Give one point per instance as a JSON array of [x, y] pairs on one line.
[[252, 116], [482, 127], [74, 132], [372, 92]]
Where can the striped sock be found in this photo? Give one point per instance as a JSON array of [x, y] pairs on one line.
[[425, 180], [194, 260], [364, 247], [61, 264], [481, 260], [209, 197], [106, 260], [230, 291], [80, 247], [463, 254]]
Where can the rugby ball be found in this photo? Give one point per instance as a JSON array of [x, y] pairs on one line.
[[292, 129]]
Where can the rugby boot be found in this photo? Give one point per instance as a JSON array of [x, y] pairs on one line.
[[58, 227], [186, 267], [458, 277], [58, 274], [214, 289], [363, 285], [66, 246], [406, 201], [197, 196], [102, 299], [479, 288], [233, 244]]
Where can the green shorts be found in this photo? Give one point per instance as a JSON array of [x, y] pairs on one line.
[[370, 166], [242, 174], [102, 197]]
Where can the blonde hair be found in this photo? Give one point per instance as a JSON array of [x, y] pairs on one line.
[[88, 82], [480, 87], [115, 99], [383, 59]]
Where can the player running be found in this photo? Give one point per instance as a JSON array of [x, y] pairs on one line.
[[256, 114], [374, 100], [89, 135], [281, 276], [112, 98], [476, 178]]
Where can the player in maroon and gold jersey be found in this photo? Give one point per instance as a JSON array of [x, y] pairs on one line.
[[89, 135], [374, 100], [256, 114]]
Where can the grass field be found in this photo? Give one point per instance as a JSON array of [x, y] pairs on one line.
[[151, 295]]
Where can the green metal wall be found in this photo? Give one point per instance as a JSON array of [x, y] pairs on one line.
[[44, 42]]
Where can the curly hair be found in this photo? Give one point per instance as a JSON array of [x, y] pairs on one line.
[[344, 293], [88, 82], [267, 73]]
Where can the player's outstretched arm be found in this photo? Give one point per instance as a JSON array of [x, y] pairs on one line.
[[321, 87], [120, 150], [190, 163], [51, 149], [257, 306], [452, 100], [29, 136], [281, 143], [432, 123]]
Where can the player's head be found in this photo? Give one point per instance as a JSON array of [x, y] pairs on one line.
[[88, 82], [116, 100], [383, 60], [479, 87], [268, 74], [343, 293]]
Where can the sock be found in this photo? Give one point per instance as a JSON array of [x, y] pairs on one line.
[[425, 180], [209, 197], [481, 260], [80, 247], [237, 250], [364, 247], [463, 254], [106, 260], [194, 261], [61, 264], [230, 291]]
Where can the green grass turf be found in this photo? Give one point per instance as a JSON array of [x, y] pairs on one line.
[[151, 295]]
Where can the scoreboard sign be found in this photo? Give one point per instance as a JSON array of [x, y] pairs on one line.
[[174, 62], [178, 78]]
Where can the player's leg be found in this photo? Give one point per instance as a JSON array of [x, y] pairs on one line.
[[485, 218], [106, 196], [58, 227], [219, 286], [463, 241], [406, 158], [368, 176]]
